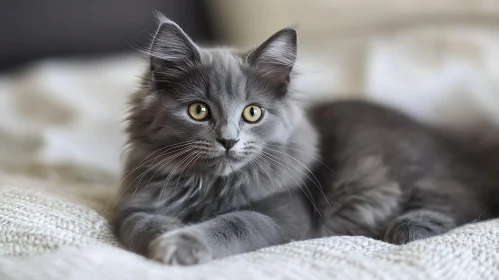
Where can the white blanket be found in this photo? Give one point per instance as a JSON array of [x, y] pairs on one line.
[[50, 231]]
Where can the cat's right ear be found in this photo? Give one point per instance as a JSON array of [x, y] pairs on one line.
[[171, 51], [276, 57]]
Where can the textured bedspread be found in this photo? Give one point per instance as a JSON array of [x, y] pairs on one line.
[[50, 231]]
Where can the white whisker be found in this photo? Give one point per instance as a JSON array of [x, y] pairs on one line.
[[301, 151], [298, 184], [142, 175], [321, 190]]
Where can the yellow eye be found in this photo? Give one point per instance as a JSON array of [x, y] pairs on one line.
[[252, 113], [198, 111]]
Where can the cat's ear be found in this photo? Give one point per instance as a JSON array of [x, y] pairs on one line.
[[171, 51], [276, 57]]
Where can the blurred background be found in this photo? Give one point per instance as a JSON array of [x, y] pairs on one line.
[[66, 67]]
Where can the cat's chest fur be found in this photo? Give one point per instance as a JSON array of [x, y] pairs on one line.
[[199, 197], [195, 197]]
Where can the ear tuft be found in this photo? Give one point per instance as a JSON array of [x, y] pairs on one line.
[[171, 50], [277, 55]]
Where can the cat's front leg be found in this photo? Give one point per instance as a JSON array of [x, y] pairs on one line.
[[158, 237], [225, 235], [136, 231]]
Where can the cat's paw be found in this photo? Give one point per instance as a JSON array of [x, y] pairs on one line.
[[179, 247], [402, 233], [418, 225]]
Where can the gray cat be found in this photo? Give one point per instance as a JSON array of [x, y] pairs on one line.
[[223, 159]]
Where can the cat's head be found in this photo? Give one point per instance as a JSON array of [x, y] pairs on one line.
[[213, 110]]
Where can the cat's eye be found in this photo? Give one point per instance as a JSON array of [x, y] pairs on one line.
[[199, 111], [252, 113]]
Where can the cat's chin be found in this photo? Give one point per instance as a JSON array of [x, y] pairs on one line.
[[226, 167], [223, 171]]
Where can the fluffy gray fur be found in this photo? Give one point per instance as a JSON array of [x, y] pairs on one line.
[[339, 168]]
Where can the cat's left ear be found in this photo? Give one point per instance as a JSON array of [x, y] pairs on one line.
[[276, 57]]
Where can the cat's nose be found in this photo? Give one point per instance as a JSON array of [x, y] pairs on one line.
[[227, 143]]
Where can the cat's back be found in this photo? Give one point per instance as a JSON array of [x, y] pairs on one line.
[[352, 113], [366, 124], [357, 132]]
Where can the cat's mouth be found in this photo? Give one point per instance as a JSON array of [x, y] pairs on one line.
[[229, 156]]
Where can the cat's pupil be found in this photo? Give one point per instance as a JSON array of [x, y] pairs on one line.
[[252, 111], [198, 109]]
